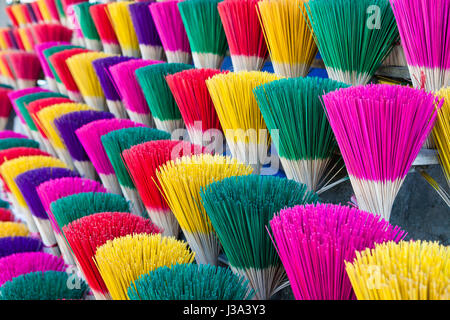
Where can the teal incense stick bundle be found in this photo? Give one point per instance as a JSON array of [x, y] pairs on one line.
[[160, 100], [240, 209], [305, 141], [49, 285], [115, 143], [354, 37], [199, 282], [205, 32], [88, 28]]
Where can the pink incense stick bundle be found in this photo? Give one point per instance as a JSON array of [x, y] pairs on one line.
[[27, 68], [196, 107], [313, 241], [49, 76], [55, 189], [129, 89], [425, 35], [240, 21], [21, 263], [171, 31], [90, 137], [104, 28], [380, 130]]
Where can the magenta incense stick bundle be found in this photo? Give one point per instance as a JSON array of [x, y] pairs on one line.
[[425, 35], [171, 31], [130, 90], [380, 130], [313, 241]]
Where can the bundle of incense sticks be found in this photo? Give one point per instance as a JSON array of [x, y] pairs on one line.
[[47, 54], [305, 141], [99, 15], [58, 61], [5, 134], [171, 31], [48, 285], [314, 242], [83, 73], [205, 32], [288, 36], [12, 245], [67, 125], [396, 120], [352, 55], [47, 117], [414, 270], [240, 21], [49, 77], [163, 107], [423, 28], [95, 230], [245, 130], [200, 282], [142, 161], [123, 75], [26, 68], [18, 142], [196, 107], [53, 190], [12, 168], [21, 263], [441, 132], [148, 38], [113, 99], [123, 26], [252, 198], [88, 28], [118, 141], [13, 229], [50, 32], [181, 181], [37, 105], [27, 183], [119, 261], [90, 137]]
